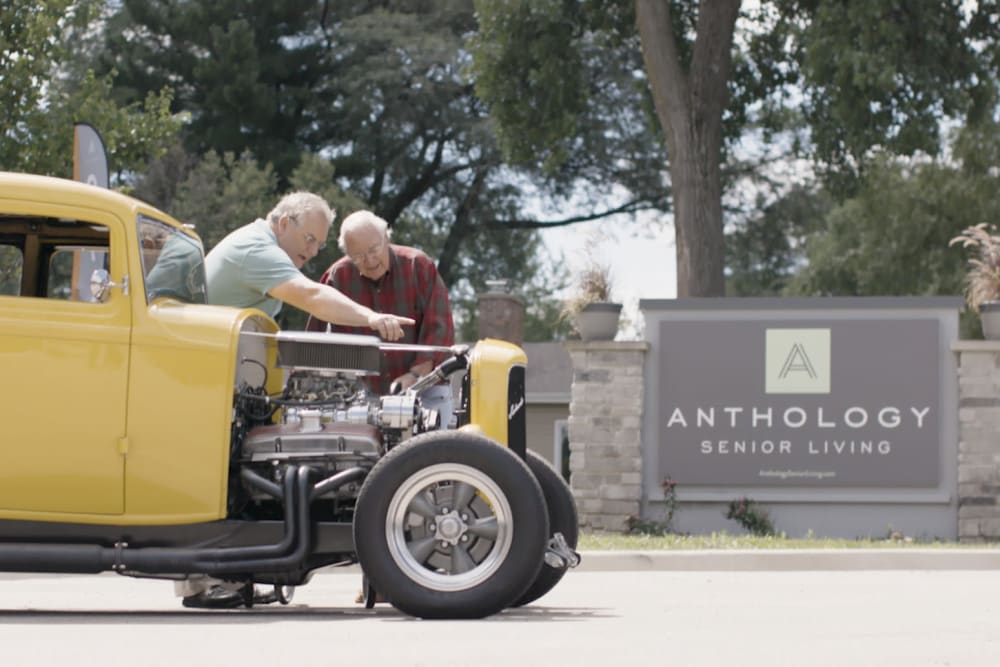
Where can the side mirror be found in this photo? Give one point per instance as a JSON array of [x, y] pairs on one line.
[[101, 284]]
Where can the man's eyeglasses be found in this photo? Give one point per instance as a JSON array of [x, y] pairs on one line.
[[310, 238], [371, 252]]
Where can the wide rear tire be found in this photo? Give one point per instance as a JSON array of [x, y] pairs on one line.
[[451, 525], [562, 519]]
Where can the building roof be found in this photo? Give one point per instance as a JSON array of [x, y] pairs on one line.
[[549, 373]]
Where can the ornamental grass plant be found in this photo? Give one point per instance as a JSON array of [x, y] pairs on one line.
[[593, 285], [982, 280]]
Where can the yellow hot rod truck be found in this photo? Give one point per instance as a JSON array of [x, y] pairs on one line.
[[149, 434]]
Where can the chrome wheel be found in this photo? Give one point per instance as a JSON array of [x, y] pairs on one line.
[[448, 527]]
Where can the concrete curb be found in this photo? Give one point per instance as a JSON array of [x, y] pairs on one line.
[[779, 560]]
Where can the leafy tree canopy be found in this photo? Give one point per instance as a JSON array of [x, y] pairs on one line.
[[376, 90], [41, 101], [767, 251], [892, 237], [879, 76], [850, 79]]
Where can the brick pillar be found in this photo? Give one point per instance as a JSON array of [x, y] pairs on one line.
[[978, 443], [501, 314], [605, 431]]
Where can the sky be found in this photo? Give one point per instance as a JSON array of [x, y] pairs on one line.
[[641, 255]]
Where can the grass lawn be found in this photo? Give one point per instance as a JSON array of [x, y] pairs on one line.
[[612, 541]]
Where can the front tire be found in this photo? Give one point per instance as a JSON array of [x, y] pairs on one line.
[[451, 525]]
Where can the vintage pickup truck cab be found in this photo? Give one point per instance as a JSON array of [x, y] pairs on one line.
[[152, 435]]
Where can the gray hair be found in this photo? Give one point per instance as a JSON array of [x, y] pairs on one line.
[[360, 220], [296, 205]]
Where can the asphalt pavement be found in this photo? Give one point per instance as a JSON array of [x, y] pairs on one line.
[[593, 618]]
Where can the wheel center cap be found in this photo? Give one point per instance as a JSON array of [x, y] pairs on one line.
[[450, 528]]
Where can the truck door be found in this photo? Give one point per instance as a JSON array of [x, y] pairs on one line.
[[63, 363]]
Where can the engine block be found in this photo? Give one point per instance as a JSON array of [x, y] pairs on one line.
[[313, 439], [326, 413]]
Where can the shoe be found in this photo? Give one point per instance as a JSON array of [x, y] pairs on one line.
[[220, 597], [214, 597], [368, 596], [377, 599], [265, 598]]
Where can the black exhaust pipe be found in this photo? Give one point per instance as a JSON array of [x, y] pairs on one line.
[[153, 560], [336, 481], [290, 553], [222, 561]]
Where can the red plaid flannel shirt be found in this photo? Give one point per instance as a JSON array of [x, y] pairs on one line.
[[410, 288]]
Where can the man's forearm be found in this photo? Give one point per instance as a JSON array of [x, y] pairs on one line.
[[323, 302], [334, 306], [331, 305]]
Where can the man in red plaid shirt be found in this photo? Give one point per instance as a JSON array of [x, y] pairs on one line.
[[394, 279]]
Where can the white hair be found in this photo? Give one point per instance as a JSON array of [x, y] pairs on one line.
[[296, 205], [362, 220]]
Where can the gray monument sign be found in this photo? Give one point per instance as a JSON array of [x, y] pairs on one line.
[[800, 402]]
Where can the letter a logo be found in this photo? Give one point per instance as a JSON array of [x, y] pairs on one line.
[[797, 361]]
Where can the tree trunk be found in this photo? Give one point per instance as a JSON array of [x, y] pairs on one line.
[[689, 106]]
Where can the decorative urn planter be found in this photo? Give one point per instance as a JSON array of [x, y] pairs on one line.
[[599, 320], [989, 314]]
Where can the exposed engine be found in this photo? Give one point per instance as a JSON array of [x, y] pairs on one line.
[[325, 415]]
